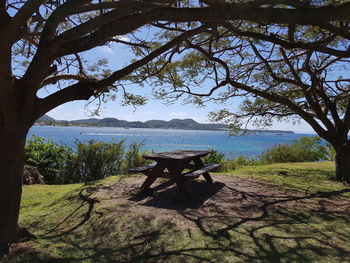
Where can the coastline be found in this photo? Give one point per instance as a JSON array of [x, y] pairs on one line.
[[59, 124]]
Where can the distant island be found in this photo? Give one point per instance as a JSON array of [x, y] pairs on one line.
[[184, 124]]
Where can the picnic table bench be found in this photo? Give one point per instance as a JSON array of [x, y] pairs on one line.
[[172, 164]]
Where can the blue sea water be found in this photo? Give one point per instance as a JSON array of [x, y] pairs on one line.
[[166, 139]]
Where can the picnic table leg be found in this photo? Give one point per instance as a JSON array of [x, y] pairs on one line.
[[198, 162], [181, 185], [175, 173], [152, 176]]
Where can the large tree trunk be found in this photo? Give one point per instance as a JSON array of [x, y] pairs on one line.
[[342, 164], [12, 141]]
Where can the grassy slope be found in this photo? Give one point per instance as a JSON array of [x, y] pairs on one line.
[[306, 177], [72, 226]]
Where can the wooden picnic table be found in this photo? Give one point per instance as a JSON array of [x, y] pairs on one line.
[[172, 164]]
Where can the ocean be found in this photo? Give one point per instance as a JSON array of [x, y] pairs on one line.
[[165, 139]]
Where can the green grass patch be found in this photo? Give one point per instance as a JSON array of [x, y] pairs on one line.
[[308, 177]]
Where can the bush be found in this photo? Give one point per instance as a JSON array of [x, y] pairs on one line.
[[240, 161], [96, 160], [47, 156], [133, 157], [330, 152], [93, 161], [214, 157], [226, 165], [305, 149], [280, 153]]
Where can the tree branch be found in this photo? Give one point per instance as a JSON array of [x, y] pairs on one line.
[[3, 11], [24, 14], [101, 20], [312, 46], [54, 79], [89, 89], [82, 90], [127, 70], [268, 15], [285, 101], [343, 32], [312, 98]]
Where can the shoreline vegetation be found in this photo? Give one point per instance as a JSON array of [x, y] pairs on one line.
[[94, 160], [185, 124]]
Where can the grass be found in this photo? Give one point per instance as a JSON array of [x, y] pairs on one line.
[[74, 224], [310, 177]]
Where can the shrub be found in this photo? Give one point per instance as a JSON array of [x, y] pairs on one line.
[[133, 157], [48, 157], [240, 161], [330, 152], [93, 161], [280, 153], [226, 165], [311, 149], [215, 157], [305, 149]]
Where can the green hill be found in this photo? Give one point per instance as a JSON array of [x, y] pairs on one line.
[[185, 124]]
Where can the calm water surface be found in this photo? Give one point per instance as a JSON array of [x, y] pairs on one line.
[[165, 140]]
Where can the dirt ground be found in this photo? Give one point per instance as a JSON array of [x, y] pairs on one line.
[[227, 197]]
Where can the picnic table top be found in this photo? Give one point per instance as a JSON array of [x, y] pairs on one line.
[[176, 155]]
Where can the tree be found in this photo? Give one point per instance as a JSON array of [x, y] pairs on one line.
[[283, 72], [42, 45]]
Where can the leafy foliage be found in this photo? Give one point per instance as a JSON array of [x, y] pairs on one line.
[[133, 157], [60, 164], [94, 160], [214, 157], [305, 149], [47, 156], [228, 164]]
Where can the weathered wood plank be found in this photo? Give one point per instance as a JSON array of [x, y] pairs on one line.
[[142, 169], [176, 155], [197, 173]]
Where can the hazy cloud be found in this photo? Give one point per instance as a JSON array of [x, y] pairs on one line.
[[178, 114], [122, 38], [105, 49]]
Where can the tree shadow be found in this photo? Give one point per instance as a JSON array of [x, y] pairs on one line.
[[272, 232], [305, 173], [257, 229], [167, 195], [85, 200]]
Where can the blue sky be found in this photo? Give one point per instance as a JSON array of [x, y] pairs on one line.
[[154, 109]]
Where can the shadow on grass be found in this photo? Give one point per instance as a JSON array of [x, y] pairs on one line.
[[268, 235], [309, 173], [85, 200], [270, 230]]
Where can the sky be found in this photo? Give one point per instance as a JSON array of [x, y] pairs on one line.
[[154, 109]]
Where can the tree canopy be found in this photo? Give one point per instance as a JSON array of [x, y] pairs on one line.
[[51, 36], [283, 72]]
